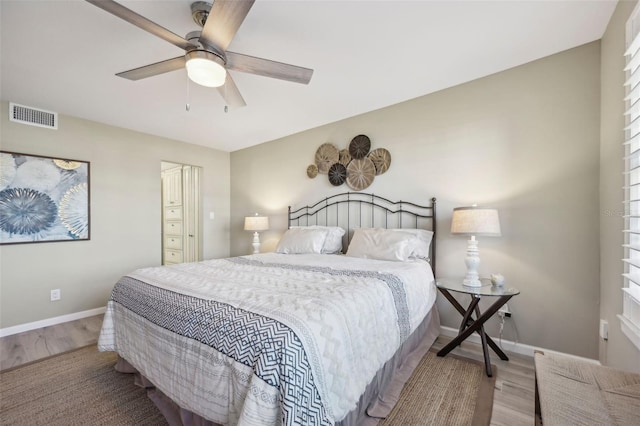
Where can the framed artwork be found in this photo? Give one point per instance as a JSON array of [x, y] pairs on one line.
[[43, 199]]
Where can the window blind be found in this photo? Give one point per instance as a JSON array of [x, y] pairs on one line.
[[630, 318]]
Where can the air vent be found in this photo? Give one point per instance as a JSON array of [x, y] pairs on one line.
[[33, 116]]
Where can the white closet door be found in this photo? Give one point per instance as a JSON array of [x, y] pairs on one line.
[[181, 217], [192, 216]]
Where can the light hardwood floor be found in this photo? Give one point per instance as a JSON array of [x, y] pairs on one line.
[[513, 402], [32, 345]]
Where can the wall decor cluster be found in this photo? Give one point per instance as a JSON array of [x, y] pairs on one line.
[[357, 165], [43, 199]]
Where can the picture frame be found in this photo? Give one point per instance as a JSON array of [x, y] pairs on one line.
[[43, 199]]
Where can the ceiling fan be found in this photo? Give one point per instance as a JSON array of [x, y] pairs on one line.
[[206, 57]]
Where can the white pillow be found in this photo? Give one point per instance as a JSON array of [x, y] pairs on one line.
[[333, 242], [381, 244], [302, 240], [419, 245]]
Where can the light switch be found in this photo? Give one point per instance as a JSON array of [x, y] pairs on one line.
[[212, 215]]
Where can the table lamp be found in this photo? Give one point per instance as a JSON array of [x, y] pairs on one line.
[[256, 223], [474, 221]]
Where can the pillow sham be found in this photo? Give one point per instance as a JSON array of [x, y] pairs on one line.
[[419, 245], [333, 242], [376, 243], [302, 240]]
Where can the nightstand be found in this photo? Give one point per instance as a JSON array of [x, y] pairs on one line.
[[470, 325]]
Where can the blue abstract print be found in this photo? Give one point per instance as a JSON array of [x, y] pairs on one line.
[[43, 199], [26, 211]]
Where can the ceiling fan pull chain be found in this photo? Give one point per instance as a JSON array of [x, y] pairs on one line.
[[226, 107], [188, 105]]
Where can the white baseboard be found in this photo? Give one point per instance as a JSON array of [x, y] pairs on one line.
[[8, 331], [509, 346]]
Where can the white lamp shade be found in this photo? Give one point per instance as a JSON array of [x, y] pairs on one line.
[[256, 223], [205, 68], [475, 221]]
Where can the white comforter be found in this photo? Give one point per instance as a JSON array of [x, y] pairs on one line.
[[349, 314]]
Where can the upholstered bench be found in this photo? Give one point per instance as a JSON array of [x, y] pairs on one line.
[[570, 391]]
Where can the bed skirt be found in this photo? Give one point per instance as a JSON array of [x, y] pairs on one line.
[[375, 403]]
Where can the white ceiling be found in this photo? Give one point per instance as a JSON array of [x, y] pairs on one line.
[[62, 56]]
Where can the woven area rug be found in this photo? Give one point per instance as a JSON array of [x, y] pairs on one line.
[[82, 388], [79, 387], [445, 391]]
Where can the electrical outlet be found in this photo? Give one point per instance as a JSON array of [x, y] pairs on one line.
[[55, 295], [504, 311], [604, 329]]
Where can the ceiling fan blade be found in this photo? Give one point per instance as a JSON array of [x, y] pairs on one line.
[[223, 22], [141, 22], [154, 69], [229, 91], [268, 68]]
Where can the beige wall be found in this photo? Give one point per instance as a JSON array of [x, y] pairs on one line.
[[125, 216], [617, 351], [525, 141]]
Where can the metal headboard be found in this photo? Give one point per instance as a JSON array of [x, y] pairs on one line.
[[351, 210]]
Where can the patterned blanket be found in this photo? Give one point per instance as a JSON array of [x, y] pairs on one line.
[[257, 341]]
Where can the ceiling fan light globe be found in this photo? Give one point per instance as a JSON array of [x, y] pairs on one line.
[[205, 69]]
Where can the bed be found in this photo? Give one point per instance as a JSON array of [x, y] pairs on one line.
[[323, 331]]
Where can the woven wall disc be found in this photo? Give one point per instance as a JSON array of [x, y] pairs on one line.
[[337, 174], [360, 173], [359, 146], [326, 156], [312, 171], [381, 159], [345, 157]]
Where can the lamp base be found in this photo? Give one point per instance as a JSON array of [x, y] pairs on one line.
[[256, 243], [472, 282], [472, 261]]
